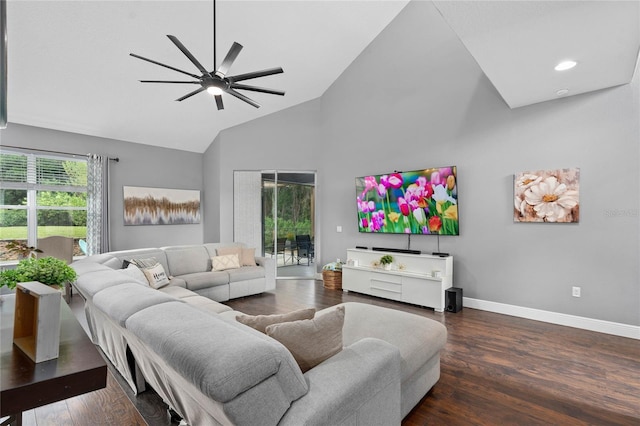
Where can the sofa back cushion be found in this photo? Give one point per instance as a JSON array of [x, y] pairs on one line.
[[213, 248], [220, 359], [311, 341], [187, 259], [260, 322], [145, 253]]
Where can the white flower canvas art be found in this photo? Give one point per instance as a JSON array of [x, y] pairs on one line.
[[547, 196]]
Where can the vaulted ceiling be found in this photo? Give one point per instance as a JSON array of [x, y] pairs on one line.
[[70, 69]]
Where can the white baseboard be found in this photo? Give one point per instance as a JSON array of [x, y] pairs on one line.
[[608, 327]]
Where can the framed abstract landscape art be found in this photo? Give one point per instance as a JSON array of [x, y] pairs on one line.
[[160, 206], [547, 196]]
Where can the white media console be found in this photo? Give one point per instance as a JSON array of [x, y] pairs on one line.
[[420, 279]]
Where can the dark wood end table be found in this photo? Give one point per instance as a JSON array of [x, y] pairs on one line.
[[25, 385]]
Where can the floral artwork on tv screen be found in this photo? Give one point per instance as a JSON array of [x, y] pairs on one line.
[[415, 202], [547, 196]]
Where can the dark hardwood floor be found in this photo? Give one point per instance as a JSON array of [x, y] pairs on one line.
[[495, 370]]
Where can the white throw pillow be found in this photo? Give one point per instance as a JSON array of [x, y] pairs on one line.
[[135, 273], [156, 276], [227, 261]]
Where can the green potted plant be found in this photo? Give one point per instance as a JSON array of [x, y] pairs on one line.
[[47, 270], [386, 261]]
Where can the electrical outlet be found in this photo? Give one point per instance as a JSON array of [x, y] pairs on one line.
[[575, 291]]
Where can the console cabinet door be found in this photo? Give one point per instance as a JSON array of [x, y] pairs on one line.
[[422, 291], [355, 280]]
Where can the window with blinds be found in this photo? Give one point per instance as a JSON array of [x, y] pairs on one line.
[[40, 196]]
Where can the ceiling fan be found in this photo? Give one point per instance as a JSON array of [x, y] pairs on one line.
[[216, 82]]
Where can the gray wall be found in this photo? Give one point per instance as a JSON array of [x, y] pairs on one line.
[[416, 98], [140, 165]]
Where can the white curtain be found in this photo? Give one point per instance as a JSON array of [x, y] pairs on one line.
[[97, 204]]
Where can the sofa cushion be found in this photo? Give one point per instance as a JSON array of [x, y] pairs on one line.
[[156, 276], [408, 332], [86, 266], [248, 257], [135, 274], [260, 322], [311, 341], [144, 253], [177, 292], [122, 301], [212, 248], [206, 304], [189, 340], [224, 251], [91, 283], [201, 280], [246, 273], [224, 262], [184, 260]]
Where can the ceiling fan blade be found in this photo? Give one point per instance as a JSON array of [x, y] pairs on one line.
[[219, 103], [188, 54], [163, 65], [188, 95], [223, 69], [255, 74], [243, 98], [256, 89], [169, 81]]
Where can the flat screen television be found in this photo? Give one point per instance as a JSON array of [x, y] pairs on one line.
[[416, 202]]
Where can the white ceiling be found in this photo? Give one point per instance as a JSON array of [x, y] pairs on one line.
[[518, 43], [70, 69]]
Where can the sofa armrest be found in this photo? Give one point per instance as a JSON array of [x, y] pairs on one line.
[[361, 382], [269, 266]]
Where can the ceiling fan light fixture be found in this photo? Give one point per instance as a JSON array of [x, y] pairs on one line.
[[565, 65], [216, 82], [214, 90]]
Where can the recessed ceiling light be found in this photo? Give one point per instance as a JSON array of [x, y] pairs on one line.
[[562, 92], [565, 65]]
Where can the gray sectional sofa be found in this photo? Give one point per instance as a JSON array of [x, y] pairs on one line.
[[190, 267], [214, 370]]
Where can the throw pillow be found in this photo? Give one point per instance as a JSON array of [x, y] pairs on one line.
[[156, 276], [223, 251], [228, 261], [311, 341], [260, 322], [135, 273], [248, 257], [148, 262]]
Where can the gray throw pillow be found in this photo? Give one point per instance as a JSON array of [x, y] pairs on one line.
[[260, 322], [311, 341]]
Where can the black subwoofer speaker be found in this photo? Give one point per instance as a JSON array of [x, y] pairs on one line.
[[453, 299]]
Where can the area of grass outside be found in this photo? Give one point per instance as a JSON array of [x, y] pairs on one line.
[[20, 232]]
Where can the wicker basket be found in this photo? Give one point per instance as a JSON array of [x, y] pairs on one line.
[[332, 280]]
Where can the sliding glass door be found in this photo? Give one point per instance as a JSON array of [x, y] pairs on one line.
[[288, 219]]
